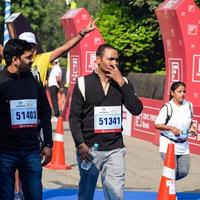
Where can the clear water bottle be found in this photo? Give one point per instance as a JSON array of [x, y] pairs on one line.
[[93, 150]]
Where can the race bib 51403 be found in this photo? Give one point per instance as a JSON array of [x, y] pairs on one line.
[[23, 113]]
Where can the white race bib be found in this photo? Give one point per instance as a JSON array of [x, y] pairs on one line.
[[107, 119], [23, 113]]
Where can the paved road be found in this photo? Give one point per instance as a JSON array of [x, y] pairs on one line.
[[143, 168]]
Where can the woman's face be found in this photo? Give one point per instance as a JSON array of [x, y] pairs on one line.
[[179, 94]]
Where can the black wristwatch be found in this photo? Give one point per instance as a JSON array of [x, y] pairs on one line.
[[82, 34]]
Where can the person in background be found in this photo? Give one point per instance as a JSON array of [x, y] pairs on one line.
[[96, 117], [23, 103], [42, 62], [54, 83], [175, 124], [1, 58]]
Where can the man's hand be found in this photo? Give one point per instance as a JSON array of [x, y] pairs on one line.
[[90, 27], [115, 74], [46, 155], [73, 41], [84, 152]]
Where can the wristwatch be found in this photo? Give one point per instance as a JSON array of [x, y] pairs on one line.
[[82, 34]]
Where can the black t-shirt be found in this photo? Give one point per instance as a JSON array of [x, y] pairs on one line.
[[22, 87]]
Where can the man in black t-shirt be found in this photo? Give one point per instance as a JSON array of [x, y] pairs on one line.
[[96, 117], [23, 103]]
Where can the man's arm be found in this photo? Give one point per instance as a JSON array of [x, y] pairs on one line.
[[58, 76], [73, 41], [75, 122], [75, 119], [59, 81], [44, 115], [131, 101]]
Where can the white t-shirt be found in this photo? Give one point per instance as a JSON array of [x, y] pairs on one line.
[[181, 119], [55, 72]]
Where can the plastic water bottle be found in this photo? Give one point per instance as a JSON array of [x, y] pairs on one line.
[[93, 150]]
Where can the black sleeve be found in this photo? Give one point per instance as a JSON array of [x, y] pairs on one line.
[[75, 120], [44, 115], [131, 101]]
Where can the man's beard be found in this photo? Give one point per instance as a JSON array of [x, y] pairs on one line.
[[25, 68]]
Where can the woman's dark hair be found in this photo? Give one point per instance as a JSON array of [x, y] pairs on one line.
[[174, 86], [15, 47]]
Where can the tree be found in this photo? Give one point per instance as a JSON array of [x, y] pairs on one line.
[[32, 9], [135, 32], [131, 26], [50, 31], [93, 6], [44, 16]]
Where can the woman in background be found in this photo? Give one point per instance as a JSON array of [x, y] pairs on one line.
[[175, 124]]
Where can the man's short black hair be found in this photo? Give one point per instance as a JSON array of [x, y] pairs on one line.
[[101, 49], [15, 47]]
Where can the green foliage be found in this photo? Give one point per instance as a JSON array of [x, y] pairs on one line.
[[32, 9], [50, 30], [45, 20], [93, 6], [44, 16], [197, 2], [136, 37], [129, 25]]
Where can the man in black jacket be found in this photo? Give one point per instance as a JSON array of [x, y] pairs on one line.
[[96, 117], [23, 103]]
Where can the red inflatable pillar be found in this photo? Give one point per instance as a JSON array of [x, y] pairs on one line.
[[179, 22], [83, 55]]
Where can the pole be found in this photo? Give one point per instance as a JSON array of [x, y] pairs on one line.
[[7, 14]]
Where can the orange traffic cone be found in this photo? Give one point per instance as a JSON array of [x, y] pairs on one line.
[[167, 190], [58, 157]]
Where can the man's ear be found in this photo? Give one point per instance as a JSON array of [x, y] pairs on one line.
[[15, 60], [98, 59]]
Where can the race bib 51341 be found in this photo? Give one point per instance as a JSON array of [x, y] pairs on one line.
[[107, 119]]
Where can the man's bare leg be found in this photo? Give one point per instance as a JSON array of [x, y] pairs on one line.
[[18, 188]]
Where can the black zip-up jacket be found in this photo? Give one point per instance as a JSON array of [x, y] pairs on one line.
[[17, 87], [81, 117]]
